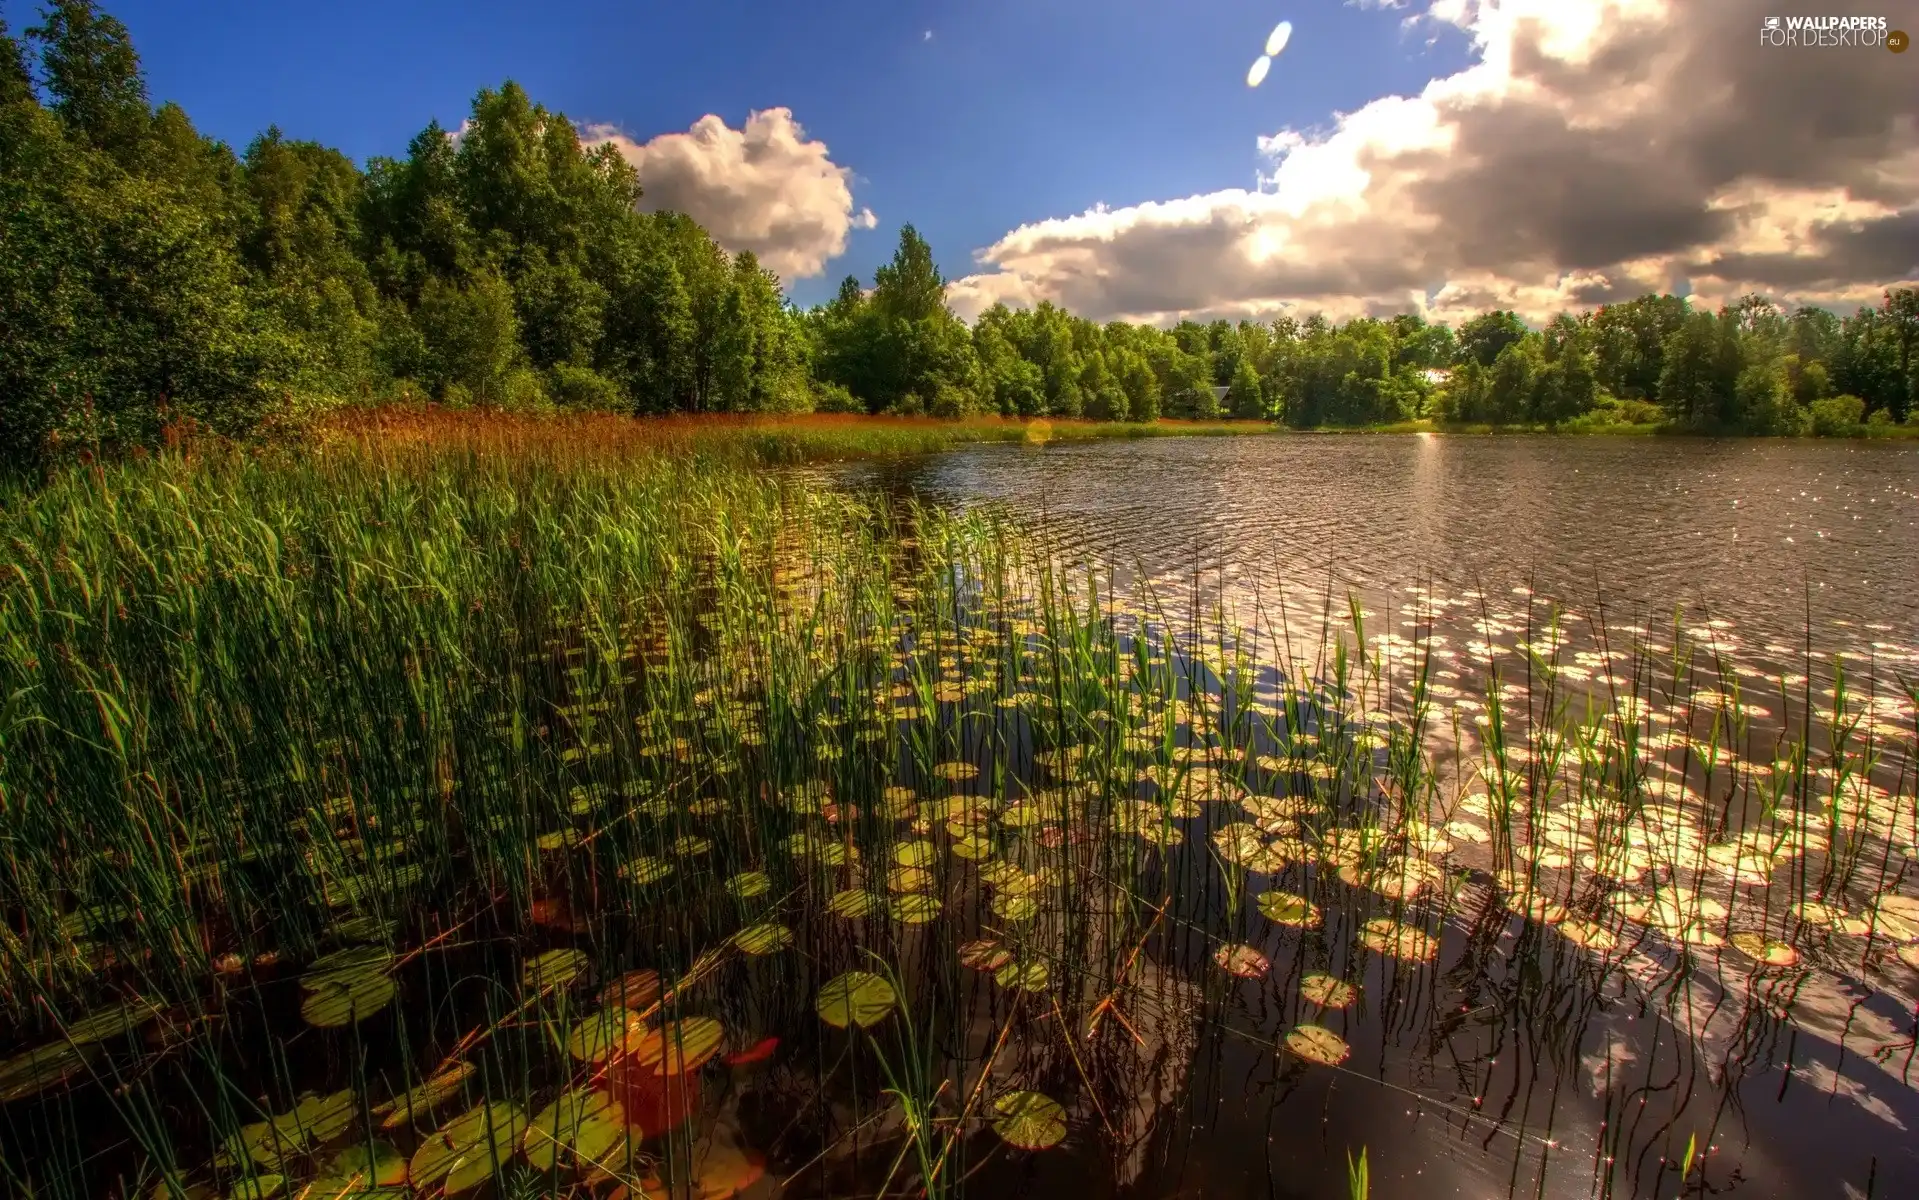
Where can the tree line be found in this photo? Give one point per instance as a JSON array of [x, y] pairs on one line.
[[150, 275]]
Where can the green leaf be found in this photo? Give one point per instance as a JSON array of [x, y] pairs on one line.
[[1029, 1120], [855, 998]]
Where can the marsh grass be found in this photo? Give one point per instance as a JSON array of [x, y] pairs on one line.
[[452, 803]]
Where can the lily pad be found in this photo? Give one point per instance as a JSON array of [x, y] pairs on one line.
[[748, 884], [584, 1123], [1029, 976], [1029, 1120], [1396, 940], [1327, 991], [552, 969], [915, 908], [853, 903], [39, 1069], [466, 1151], [1768, 952], [984, 955], [855, 998], [422, 1099], [1316, 1043], [635, 989], [601, 1033], [646, 869], [357, 1171], [113, 1022], [339, 1002], [913, 854], [767, 938], [1242, 961], [1285, 908], [678, 1046]]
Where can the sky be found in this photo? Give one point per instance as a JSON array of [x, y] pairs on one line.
[[1438, 155]]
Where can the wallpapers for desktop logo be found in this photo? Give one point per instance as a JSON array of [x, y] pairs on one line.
[[1837, 32]]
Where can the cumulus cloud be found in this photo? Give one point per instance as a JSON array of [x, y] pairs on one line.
[[765, 187], [1592, 151]]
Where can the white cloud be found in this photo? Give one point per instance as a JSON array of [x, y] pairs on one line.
[[765, 187], [1593, 150]]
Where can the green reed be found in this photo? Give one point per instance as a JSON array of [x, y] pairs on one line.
[[455, 710]]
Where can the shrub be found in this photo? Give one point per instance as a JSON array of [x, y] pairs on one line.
[[584, 389], [1837, 416]]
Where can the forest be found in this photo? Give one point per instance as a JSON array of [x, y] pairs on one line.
[[151, 277]]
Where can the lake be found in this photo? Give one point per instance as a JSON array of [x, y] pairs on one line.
[[1518, 1064]]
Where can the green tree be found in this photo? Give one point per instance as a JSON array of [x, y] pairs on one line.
[[1244, 396], [16, 83], [472, 338], [1485, 336], [93, 77]]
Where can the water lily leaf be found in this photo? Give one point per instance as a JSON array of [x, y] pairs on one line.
[[913, 854], [761, 939], [602, 1033], [350, 965], [1030, 976], [1285, 908], [112, 1022], [1029, 1120], [552, 969], [357, 1171], [343, 1001], [972, 846], [957, 772], [677, 1046], [1014, 908], [1327, 991], [1768, 952], [584, 1123], [636, 989], [422, 1099], [320, 1118], [1242, 961], [852, 903], [1590, 934], [691, 845], [748, 884], [260, 1187], [645, 869], [855, 998], [909, 879], [720, 1171], [984, 955], [1395, 940], [915, 908], [466, 1151], [1316, 1043]]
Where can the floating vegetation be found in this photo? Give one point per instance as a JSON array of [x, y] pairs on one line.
[[739, 827]]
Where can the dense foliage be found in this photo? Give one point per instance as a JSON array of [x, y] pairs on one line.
[[149, 275]]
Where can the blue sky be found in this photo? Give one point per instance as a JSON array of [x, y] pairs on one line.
[[1013, 111]]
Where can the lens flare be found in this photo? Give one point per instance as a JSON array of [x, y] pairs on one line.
[[1277, 39], [1260, 66]]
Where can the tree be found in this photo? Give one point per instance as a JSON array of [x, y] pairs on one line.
[[1689, 377], [1243, 396], [1482, 338], [1901, 310], [93, 77], [16, 84]]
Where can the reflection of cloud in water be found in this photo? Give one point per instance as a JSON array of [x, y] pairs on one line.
[[1823, 1078]]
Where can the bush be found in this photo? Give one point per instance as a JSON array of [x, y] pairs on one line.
[[1880, 422], [833, 398], [584, 389], [1837, 416], [521, 390]]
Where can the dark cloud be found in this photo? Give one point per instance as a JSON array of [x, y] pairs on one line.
[[1599, 148]]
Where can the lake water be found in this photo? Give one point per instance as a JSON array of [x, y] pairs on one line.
[[1754, 533], [1518, 1064]]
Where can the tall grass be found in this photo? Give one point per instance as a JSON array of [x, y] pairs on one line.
[[470, 769]]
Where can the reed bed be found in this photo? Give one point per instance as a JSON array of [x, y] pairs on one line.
[[570, 808]]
